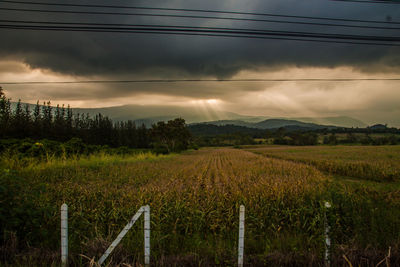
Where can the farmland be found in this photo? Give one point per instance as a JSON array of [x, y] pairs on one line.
[[378, 163], [195, 198]]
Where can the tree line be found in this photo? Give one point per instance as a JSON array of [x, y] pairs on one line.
[[231, 135], [60, 123]]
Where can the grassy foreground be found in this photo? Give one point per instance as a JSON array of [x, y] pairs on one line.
[[194, 199]]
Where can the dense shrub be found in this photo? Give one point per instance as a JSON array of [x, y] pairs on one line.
[[44, 149]]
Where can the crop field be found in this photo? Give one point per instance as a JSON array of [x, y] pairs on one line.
[[194, 199], [378, 163]]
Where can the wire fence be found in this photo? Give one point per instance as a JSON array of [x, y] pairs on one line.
[[145, 210]]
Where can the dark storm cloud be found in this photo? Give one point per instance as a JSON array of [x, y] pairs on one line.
[[110, 54]]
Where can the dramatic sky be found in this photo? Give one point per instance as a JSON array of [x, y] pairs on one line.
[[72, 56]]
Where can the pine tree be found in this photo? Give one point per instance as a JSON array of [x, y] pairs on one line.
[[62, 124], [18, 121], [5, 114], [68, 123], [143, 137], [18, 110], [59, 123], [27, 119], [47, 120], [37, 121]]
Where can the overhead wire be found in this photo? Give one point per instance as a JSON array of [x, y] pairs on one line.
[[185, 30], [271, 21], [223, 33], [200, 31], [216, 30], [173, 15], [111, 26], [205, 80], [177, 10], [369, 1]]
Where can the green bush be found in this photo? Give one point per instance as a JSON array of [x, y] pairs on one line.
[[74, 146], [159, 148], [20, 212]]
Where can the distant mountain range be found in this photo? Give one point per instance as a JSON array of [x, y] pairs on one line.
[[341, 121], [151, 114], [270, 124]]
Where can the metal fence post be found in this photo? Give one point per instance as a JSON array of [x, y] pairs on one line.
[[64, 235], [147, 235], [241, 236]]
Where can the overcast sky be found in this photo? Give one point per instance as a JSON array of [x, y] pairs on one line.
[[70, 56]]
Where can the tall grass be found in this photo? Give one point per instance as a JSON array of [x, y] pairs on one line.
[[15, 162]]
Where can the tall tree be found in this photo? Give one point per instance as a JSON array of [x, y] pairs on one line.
[[37, 121], [18, 121], [27, 120], [47, 119], [62, 124], [5, 114], [171, 137], [59, 123], [69, 122]]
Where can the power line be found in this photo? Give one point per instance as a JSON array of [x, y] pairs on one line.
[[211, 30], [273, 21], [121, 25], [185, 30], [188, 28], [187, 16], [205, 80], [225, 35], [215, 30], [150, 15], [328, 39], [370, 1]]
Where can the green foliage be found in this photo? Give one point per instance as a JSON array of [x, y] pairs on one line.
[[26, 151], [160, 148], [61, 124], [19, 214], [233, 139], [74, 146], [229, 135], [331, 139], [297, 139], [83, 134], [172, 136]]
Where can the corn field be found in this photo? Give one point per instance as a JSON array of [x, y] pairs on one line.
[[378, 163], [195, 199]]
